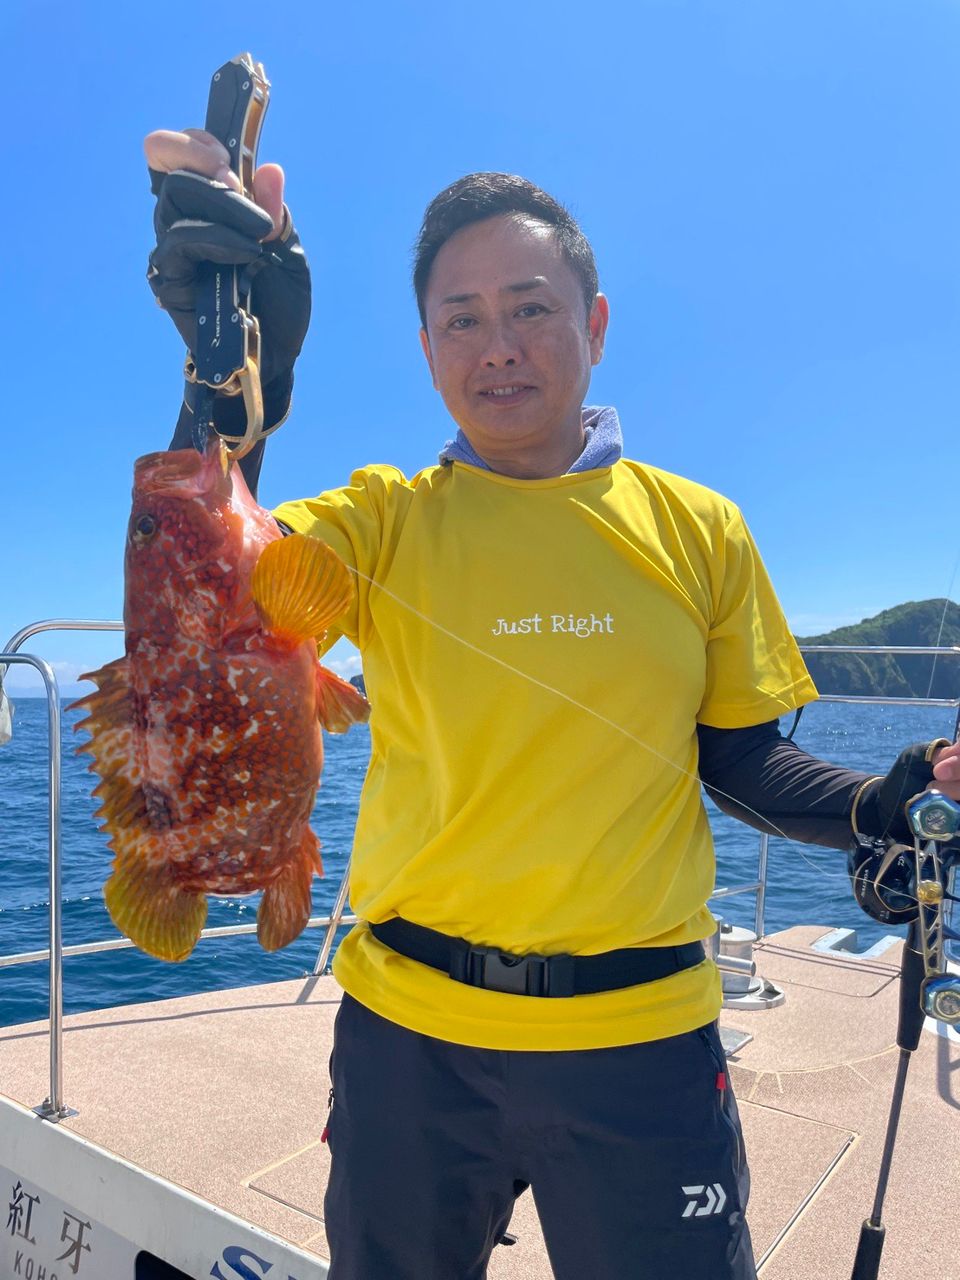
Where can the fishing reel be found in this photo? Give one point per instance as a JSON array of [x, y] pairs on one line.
[[935, 820], [883, 876], [896, 884]]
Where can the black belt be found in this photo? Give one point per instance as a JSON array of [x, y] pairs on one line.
[[530, 975]]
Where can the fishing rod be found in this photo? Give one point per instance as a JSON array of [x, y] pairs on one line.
[[927, 989]]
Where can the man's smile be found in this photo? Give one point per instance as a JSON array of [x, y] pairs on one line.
[[510, 393]]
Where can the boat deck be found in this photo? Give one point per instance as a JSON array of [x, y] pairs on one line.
[[225, 1094]]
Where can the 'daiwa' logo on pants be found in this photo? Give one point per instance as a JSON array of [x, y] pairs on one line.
[[704, 1202]]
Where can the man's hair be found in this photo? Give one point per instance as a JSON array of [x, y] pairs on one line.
[[480, 196]]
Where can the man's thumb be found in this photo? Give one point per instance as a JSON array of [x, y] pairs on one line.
[[268, 194]]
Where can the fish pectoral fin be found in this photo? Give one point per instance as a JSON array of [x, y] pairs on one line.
[[285, 908], [299, 587], [339, 703], [146, 903]]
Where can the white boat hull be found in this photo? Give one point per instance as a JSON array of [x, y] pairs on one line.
[[74, 1209]]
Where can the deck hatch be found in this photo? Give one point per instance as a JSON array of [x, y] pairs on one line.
[[788, 1156]]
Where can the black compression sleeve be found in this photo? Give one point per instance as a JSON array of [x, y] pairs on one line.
[[758, 776]]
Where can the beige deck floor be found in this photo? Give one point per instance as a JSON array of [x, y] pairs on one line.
[[225, 1094]]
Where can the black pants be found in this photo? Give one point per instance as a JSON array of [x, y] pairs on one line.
[[634, 1156]]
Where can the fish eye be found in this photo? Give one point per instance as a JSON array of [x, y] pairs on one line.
[[146, 526]]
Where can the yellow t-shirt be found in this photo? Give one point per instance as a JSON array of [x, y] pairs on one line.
[[538, 654]]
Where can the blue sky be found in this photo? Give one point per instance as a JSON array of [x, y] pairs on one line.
[[772, 192]]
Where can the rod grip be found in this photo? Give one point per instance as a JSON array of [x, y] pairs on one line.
[[866, 1265], [911, 1019]]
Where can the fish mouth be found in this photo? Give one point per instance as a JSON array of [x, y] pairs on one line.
[[184, 472]]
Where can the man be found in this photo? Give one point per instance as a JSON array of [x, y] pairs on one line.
[[555, 641]]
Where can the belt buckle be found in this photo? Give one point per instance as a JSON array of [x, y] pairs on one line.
[[529, 975]]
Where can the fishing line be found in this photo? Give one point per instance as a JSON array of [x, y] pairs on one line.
[[574, 702], [943, 619]]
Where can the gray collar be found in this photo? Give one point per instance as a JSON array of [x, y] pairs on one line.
[[603, 445]]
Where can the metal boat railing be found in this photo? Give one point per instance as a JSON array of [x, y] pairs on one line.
[[53, 1108]]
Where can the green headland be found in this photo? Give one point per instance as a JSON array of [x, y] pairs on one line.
[[918, 622]]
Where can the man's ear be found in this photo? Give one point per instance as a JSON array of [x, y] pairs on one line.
[[597, 323], [425, 344]]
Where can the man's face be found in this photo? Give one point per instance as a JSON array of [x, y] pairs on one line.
[[508, 340]]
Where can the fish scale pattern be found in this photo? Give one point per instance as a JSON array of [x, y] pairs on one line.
[[206, 735]]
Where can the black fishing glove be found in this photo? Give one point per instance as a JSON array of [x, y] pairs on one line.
[[879, 811], [200, 220]]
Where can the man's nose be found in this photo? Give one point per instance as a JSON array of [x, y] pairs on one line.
[[502, 348]]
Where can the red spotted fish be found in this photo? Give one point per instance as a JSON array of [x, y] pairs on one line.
[[207, 733]]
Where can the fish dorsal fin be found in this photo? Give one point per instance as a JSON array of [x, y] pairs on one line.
[[122, 803], [339, 703], [110, 726], [110, 701], [299, 587]]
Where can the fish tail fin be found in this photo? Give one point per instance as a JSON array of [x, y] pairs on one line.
[[285, 908], [299, 587], [339, 703], [146, 903]]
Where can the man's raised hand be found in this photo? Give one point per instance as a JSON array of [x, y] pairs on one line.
[[202, 215], [197, 151]]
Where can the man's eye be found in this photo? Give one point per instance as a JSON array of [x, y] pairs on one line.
[[532, 309], [462, 322]]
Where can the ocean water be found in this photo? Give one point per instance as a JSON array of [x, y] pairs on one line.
[[806, 884]]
